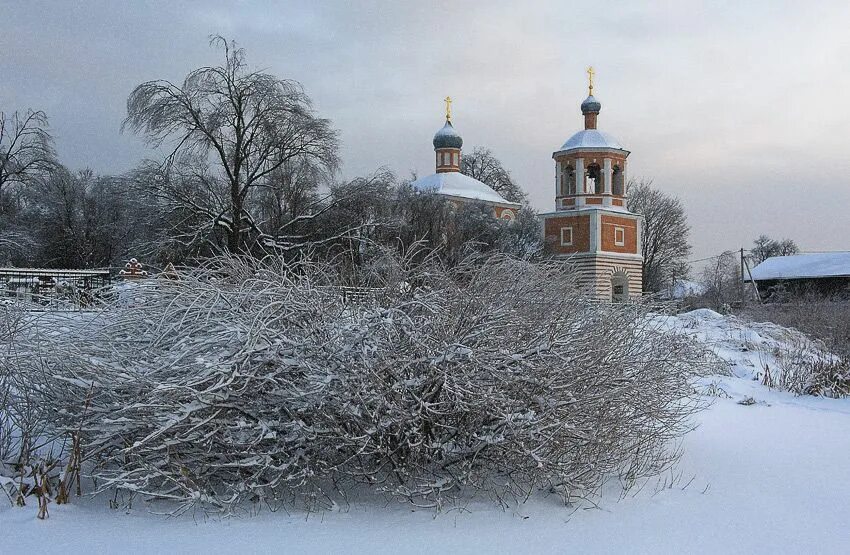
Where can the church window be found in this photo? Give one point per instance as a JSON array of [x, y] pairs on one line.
[[566, 236], [454, 159], [570, 185], [619, 236], [618, 182], [594, 179]]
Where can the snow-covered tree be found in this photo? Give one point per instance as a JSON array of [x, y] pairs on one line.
[[230, 131], [26, 148]]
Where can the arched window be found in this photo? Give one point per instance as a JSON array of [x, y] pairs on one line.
[[594, 177], [619, 286], [618, 181], [569, 177]]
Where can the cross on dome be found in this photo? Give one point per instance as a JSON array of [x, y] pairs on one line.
[[448, 101]]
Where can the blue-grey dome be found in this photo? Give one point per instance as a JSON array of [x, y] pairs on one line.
[[590, 104], [447, 137]]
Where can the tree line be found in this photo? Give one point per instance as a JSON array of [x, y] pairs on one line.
[[252, 168]]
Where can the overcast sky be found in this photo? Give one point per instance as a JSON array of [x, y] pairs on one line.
[[741, 109]]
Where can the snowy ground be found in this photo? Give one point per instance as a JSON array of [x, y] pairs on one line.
[[766, 478]]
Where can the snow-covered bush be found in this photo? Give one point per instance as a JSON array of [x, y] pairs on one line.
[[258, 381], [28, 458], [829, 378], [805, 369]]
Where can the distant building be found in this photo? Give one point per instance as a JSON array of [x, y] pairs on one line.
[[591, 223], [824, 273], [451, 183]]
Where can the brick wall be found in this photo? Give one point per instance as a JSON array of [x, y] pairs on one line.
[[629, 225], [581, 233]]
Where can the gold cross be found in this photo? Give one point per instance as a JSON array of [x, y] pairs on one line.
[[448, 102], [590, 74]]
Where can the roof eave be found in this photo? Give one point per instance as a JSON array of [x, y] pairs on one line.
[[486, 201], [591, 149]]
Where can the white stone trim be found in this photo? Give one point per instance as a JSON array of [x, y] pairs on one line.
[[569, 243], [559, 186], [581, 179], [594, 232], [622, 231]]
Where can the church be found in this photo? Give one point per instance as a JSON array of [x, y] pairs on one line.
[[591, 224], [451, 183]]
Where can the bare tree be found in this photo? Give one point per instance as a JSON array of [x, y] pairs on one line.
[[237, 127], [764, 247], [486, 168], [26, 147], [289, 192], [664, 237], [721, 281], [77, 219], [15, 243]]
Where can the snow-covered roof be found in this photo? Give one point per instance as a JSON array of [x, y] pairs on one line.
[[456, 184], [591, 138], [800, 266], [587, 208], [49, 272]]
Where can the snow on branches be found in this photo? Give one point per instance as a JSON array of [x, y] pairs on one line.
[[267, 382]]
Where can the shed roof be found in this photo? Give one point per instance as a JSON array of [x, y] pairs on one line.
[[50, 272], [803, 266]]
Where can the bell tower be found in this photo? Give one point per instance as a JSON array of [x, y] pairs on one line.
[[591, 223]]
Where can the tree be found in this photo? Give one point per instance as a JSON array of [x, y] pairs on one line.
[[486, 168], [288, 192], [721, 280], [456, 230], [26, 148], [664, 236], [81, 220], [764, 247], [234, 128]]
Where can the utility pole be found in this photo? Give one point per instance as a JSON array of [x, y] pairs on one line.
[[741, 288]]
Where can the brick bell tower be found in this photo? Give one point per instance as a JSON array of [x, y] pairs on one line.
[[591, 224]]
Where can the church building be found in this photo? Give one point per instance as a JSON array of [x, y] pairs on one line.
[[591, 224], [451, 183]]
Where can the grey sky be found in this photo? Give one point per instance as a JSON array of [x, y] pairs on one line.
[[739, 108]]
